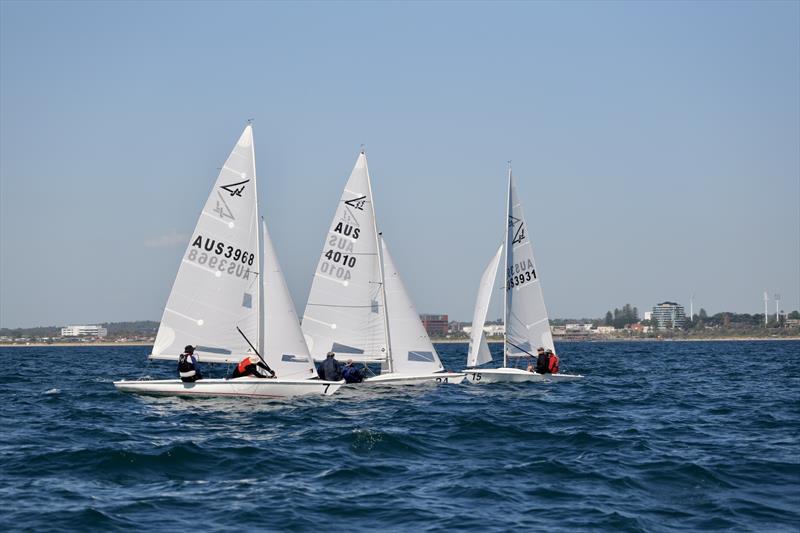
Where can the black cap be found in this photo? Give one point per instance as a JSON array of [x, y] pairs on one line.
[[188, 348], [539, 349]]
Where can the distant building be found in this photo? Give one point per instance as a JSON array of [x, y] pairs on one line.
[[81, 331], [577, 327], [668, 315], [605, 330], [489, 329], [493, 330], [435, 325], [456, 326], [648, 315]]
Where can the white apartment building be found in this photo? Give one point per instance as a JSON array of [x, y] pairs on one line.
[[578, 327], [89, 331], [489, 329]]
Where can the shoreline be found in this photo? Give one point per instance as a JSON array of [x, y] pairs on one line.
[[442, 341], [710, 339]]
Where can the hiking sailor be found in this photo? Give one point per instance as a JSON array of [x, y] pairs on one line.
[[187, 365], [249, 366]]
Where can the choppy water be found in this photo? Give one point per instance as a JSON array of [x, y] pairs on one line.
[[658, 437]]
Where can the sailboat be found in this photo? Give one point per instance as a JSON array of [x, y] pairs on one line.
[[230, 297], [358, 307], [527, 326]]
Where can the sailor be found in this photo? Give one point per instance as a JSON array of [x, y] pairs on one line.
[[352, 374], [249, 366], [541, 360], [552, 362], [187, 365], [330, 369]]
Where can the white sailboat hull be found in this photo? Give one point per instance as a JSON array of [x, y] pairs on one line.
[[513, 375], [242, 387], [415, 379]]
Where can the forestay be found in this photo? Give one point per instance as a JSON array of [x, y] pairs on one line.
[[527, 325], [478, 347], [412, 351], [284, 347], [217, 286], [345, 310]]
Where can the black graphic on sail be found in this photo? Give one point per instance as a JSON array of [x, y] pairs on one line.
[[519, 233], [235, 189], [358, 203], [355, 203]]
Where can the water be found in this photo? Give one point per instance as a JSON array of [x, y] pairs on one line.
[[658, 437]]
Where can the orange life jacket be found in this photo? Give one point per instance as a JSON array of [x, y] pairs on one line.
[[552, 366], [244, 363]]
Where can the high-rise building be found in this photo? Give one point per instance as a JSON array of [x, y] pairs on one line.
[[668, 315], [435, 325]]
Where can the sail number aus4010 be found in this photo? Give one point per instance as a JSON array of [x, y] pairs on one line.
[[331, 269], [339, 257]]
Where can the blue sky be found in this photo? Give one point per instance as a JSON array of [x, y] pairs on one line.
[[657, 145]]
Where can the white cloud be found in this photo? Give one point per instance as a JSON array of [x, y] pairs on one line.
[[168, 240]]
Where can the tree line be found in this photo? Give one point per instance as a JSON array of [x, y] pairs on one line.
[[622, 317], [115, 329]]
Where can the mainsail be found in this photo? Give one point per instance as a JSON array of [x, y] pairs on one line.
[[527, 325], [412, 351], [345, 309], [284, 347], [217, 285], [478, 347]]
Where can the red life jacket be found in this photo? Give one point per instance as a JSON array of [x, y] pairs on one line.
[[243, 364], [552, 366]]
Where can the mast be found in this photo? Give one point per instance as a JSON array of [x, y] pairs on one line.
[[505, 276], [259, 246], [379, 249]]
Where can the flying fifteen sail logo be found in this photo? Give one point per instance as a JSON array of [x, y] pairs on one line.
[[519, 233], [235, 189], [222, 208], [358, 203], [349, 215]]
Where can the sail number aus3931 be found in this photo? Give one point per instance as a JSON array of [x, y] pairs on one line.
[[521, 278], [520, 273]]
